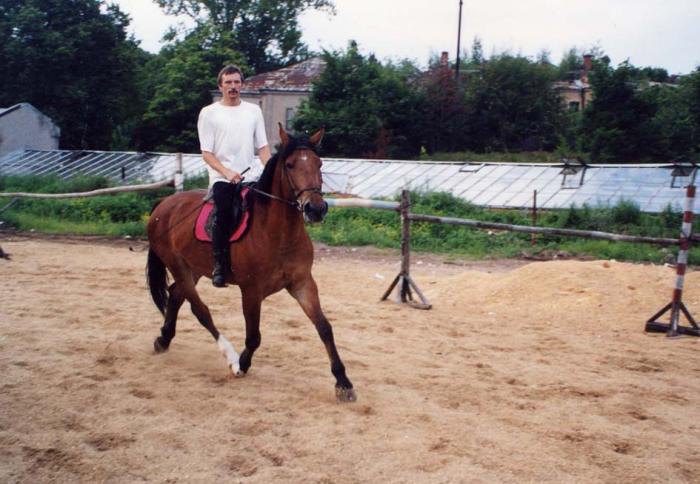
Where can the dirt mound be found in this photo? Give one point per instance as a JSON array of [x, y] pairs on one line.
[[574, 292]]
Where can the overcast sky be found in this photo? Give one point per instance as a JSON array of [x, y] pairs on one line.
[[658, 33]]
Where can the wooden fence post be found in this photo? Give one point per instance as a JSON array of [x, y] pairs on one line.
[[179, 178], [403, 279], [533, 237]]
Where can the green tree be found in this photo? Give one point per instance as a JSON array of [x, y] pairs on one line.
[[512, 106], [186, 75], [672, 119], [73, 60], [654, 74], [367, 108], [571, 64], [443, 118], [690, 86], [266, 32], [477, 52], [620, 125]]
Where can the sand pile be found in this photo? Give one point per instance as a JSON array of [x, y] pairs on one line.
[[580, 294]]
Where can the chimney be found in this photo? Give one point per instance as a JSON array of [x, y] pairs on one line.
[[443, 59], [587, 62]]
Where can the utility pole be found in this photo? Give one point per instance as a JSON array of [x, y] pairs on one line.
[[459, 37]]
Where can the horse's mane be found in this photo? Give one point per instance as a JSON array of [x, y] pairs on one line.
[[264, 183]]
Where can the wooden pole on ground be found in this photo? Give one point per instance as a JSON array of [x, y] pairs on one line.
[[403, 279]]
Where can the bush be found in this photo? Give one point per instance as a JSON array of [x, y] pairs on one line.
[[626, 212]]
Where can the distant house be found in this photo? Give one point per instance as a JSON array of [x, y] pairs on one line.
[[576, 93], [23, 126], [279, 93]]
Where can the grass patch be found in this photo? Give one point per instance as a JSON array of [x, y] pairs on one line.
[[28, 221]]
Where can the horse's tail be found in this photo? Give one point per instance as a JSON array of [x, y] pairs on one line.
[[157, 278]]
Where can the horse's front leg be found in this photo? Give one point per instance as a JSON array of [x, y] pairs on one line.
[[252, 300], [306, 293]]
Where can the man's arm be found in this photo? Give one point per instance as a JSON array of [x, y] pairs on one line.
[[211, 160], [264, 154]]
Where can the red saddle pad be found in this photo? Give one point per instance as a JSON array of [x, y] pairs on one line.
[[200, 226]]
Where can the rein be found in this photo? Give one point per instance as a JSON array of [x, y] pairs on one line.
[[294, 204]]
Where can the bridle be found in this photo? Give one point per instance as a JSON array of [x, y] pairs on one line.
[[297, 193]]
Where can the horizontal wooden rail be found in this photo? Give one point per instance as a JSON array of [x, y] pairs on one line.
[[589, 234], [93, 193], [362, 203]]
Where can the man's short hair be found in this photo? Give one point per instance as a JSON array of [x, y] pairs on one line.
[[229, 69]]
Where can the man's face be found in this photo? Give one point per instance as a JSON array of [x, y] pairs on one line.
[[230, 87]]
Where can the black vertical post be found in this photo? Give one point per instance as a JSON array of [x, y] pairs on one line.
[[459, 38]]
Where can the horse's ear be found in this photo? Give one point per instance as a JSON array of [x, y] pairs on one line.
[[316, 138], [283, 135]]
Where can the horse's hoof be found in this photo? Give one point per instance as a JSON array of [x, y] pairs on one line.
[[236, 370], [345, 394], [159, 347]]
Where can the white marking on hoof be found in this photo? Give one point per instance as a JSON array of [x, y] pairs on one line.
[[230, 354]]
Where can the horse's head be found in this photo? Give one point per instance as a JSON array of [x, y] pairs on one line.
[[302, 167]]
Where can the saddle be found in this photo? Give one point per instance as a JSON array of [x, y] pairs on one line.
[[202, 227]]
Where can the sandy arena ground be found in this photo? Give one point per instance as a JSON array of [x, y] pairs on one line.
[[536, 372]]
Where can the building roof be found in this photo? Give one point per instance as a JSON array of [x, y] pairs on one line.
[[574, 85], [295, 78], [496, 185]]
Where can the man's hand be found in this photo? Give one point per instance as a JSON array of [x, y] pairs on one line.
[[232, 176]]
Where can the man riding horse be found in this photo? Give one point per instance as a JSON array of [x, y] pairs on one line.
[[229, 130]]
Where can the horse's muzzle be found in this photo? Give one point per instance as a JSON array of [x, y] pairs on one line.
[[315, 212]]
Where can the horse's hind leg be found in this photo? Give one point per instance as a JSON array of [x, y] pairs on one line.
[[167, 332], [251, 311], [306, 293]]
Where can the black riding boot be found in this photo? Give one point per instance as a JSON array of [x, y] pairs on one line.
[[221, 254], [218, 275]]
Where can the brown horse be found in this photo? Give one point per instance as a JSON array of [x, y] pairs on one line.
[[275, 254]]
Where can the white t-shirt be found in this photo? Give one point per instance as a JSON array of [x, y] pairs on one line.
[[232, 133]]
